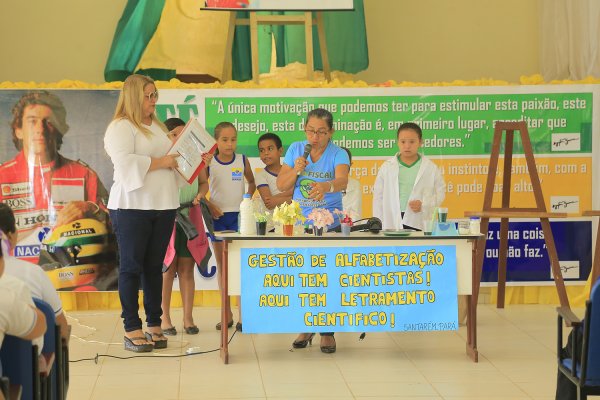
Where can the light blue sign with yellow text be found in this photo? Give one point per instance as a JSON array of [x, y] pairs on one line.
[[349, 289]]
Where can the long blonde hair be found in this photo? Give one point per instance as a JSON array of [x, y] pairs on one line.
[[130, 103]]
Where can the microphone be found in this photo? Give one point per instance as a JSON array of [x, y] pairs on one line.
[[307, 149]]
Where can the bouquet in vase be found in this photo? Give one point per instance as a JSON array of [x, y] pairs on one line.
[[288, 213], [321, 217], [346, 216]]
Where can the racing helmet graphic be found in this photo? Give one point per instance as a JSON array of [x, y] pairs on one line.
[[71, 254]]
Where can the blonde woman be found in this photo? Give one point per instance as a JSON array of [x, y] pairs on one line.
[[142, 204]]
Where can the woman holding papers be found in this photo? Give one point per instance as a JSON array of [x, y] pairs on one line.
[[142, 204], [317, 170]]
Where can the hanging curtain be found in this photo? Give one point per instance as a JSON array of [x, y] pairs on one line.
[[134, 30], [570, 39]]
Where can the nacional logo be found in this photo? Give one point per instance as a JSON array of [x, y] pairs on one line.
[[27, 251], [237, 174]]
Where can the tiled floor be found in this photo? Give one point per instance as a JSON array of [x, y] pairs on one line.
[[516, 345]]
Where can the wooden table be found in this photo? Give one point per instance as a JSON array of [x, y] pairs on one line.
[[466, 249]]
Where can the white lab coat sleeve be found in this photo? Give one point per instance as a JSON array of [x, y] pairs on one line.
[[440, 186], [378, 188], [119, 143]]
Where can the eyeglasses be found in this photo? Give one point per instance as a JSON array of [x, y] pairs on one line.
[[152, 96], [316, 133]]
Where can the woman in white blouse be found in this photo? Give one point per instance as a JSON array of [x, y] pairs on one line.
[[142, 204]]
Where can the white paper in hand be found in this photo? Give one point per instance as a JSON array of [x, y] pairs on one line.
[[191, 143]]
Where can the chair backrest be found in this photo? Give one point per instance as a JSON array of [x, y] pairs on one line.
[[50, 335], [20, 364], [51, 345], [592, 366]]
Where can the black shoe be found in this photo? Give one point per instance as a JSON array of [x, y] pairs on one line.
[[238, 326], [218, 326], [329, 349], [191, 330], [301, 344], [137, 348], [170, 331], [158, 344]]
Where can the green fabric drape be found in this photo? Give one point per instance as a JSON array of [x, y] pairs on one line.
[[134, 30], [345, 33]]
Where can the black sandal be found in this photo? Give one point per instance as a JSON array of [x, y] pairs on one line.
[[158, 344], [137, 348], [191, 330], [229, 325], [170, 331]]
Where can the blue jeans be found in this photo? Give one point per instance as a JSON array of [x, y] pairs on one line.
[[143, 237]]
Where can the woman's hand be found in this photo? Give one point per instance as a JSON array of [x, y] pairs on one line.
[[300, 165], [415, 205], [170, 160], [318, 190]]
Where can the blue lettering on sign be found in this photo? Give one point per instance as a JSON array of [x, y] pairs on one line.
[[27, 251]]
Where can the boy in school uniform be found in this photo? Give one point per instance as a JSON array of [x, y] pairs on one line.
[[270, 149]]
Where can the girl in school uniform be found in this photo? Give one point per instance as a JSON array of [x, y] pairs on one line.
[[409, 185]]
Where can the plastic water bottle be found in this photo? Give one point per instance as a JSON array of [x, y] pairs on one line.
[[475, 225], [247, 226]]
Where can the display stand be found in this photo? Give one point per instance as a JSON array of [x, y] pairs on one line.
[[256, 19], [505, 212], [596, 263]]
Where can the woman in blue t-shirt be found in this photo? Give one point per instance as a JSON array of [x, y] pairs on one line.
[[318, 181]]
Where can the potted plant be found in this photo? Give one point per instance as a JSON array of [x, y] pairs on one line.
[[321, 217], [288, 214], [261, 222], [345, 220]]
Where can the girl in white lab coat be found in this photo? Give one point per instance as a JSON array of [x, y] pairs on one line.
[[409, 186]]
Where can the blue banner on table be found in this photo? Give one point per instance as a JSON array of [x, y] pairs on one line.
[[349, 289], [527, 255]]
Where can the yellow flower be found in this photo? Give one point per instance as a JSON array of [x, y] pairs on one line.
[[288, 213]]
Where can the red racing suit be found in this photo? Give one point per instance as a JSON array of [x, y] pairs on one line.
[[37, 192]]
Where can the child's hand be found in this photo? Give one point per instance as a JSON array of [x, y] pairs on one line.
[[197, 199], [215, 211], [415, 205], [207, 158]]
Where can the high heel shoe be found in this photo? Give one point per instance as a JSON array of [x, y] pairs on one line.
[[328, 349], [301, 344]]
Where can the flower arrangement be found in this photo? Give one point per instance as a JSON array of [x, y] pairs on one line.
[[345, 216], [288, 213], [321, 217], [261, 216]]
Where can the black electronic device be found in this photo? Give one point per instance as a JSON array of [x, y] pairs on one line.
[[372, 225]]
